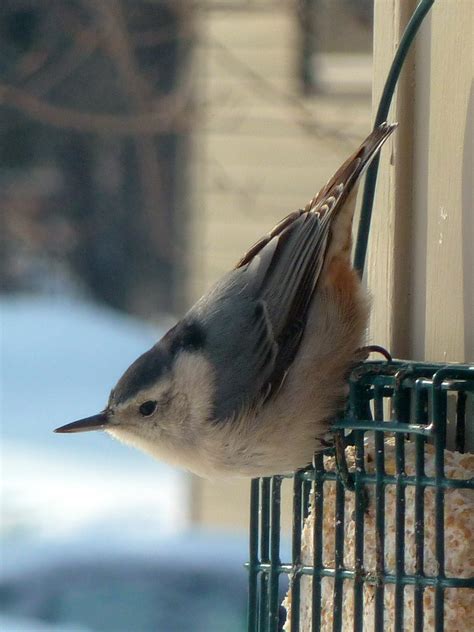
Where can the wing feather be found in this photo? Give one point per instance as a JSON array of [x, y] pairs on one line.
[[276, 280]]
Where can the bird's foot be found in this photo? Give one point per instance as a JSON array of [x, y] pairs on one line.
[[364, 352]]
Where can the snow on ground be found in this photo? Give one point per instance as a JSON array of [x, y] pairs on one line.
[[60, 358]]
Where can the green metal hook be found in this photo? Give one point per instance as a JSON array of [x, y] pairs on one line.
[[382, 112]]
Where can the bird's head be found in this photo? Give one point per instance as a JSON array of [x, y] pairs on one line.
[[162, 402]]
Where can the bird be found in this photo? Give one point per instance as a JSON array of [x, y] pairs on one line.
[[248, 382]]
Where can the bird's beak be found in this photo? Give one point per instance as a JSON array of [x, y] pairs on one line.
[[96, 422]]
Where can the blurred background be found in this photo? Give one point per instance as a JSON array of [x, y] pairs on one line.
[[144, 146]]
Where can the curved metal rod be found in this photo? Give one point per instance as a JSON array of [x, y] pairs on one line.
[[382, 112]]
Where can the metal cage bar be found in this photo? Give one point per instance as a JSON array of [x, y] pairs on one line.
[[408, 403]]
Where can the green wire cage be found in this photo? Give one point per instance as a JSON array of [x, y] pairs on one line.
[[382, 529], [384, 562]]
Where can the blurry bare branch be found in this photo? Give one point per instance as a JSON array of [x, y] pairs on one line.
[[120, 47], [243, 5], [117, 42], [160, 36], [268, 90], [85, 44], [151, 114], [169, 113]]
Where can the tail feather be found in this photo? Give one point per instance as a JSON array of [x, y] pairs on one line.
[[347, 176], [331, 198]]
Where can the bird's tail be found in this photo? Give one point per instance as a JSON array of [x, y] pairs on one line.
[[332, 199], [339, 187]]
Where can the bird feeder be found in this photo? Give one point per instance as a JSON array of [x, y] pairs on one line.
[[382, 535]]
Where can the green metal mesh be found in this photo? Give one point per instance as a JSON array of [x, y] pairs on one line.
[[414, 404]]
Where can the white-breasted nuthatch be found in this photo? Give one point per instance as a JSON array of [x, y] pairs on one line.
[[247, 383]]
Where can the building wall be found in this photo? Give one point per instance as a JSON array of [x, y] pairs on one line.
[[421, 261], [262, 149]]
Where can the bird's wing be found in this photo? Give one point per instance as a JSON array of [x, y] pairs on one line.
[[260, 309]]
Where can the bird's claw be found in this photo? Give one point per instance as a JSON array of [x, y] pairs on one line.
[[367, 350]]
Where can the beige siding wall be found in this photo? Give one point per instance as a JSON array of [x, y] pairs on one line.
[[421, 258], [261, 150]]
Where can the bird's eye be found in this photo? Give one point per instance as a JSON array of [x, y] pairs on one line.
[[147, 408]]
